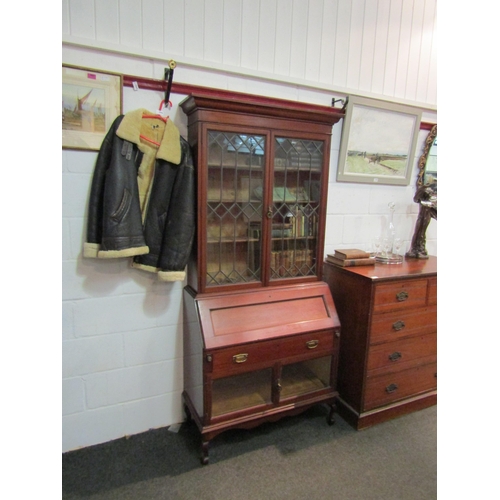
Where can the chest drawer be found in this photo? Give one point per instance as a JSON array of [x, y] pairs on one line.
[[402, 353], [258, 355], [385, 389], [432, 297], [395, 325], [406, 294]]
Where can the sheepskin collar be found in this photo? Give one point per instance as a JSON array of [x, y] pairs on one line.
[[130, 130]]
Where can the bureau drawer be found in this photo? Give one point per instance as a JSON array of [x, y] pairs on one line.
[[385, 389], [402, 353], [400, 295], [260, 354], [314, 344], [395, 325]]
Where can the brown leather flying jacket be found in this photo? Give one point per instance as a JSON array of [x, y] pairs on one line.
[[142, 198]]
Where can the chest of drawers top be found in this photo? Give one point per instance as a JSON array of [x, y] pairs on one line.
[[409, 268]]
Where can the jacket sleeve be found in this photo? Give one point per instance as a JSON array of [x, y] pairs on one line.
[[96, 199], [179, 232]]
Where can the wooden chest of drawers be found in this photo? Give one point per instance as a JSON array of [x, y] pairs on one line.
[[388, 353], [256, 356]]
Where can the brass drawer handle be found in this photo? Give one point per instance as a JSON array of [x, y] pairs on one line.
[[402, 296], [399, 325], [391, 388], [395, 356], [312, 344], [240, 358]]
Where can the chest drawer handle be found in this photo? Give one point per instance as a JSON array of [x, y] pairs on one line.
[[395, 356], [240, 358], [399, 325], [391, 388], [312, 344], [402, 296]]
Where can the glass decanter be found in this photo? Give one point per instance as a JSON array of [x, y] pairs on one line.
[[388, 255]]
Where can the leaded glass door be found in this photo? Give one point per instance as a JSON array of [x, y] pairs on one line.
[[295, 207], [262, 179], [234, 207]]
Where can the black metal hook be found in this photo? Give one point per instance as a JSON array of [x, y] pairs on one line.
[[346, 102], [343, 101], [169, 76]]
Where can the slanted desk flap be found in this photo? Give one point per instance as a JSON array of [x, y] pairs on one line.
[[264, 314]]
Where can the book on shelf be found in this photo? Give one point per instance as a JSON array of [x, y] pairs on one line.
[[366, 261], [350, 253]]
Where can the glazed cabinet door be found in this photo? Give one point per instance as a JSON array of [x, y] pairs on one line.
[[236, 393], [305, 377], [295, 207], [262, 216], [234, 207]]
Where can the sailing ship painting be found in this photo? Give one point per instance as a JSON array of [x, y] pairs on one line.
[[91, 100], [83, 108]]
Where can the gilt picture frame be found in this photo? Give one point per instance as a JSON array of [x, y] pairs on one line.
[[378, 142], [91, 100]]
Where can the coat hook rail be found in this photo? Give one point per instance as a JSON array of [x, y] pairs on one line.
[[187, 89]]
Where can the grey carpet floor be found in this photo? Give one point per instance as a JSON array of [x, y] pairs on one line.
[[295, 458]]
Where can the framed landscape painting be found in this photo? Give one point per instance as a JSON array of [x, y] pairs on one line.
[[91, 100], [378, 142]]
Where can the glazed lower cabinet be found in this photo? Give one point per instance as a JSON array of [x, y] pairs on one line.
[[388, 354], [256, 356]]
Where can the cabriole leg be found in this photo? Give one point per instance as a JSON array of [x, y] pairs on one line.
[[204, 452], [330, 419]]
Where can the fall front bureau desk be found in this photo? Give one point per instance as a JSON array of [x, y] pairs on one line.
[[258, 355], [388, 353]]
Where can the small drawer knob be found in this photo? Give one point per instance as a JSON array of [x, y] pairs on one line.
[[395, 356], [391, 388], [399, 325]]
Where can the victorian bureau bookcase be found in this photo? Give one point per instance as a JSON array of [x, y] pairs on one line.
[[261, 332], [388, 353]]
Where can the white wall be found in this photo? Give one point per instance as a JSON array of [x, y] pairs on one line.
[[374, 48], [122, 330]]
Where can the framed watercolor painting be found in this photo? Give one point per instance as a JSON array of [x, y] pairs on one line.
[[91, 100], [378, 142]]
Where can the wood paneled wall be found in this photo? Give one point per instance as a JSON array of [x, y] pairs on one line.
[[376, 48]]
